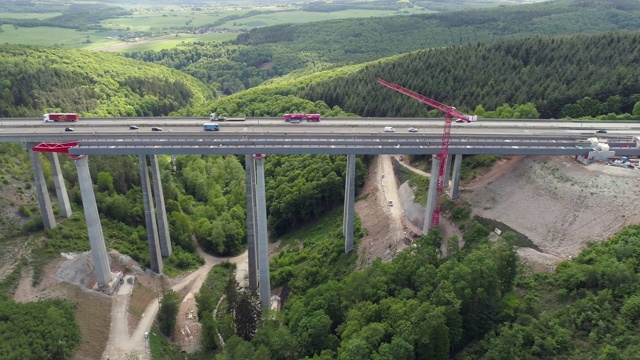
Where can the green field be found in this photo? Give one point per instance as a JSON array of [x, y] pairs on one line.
[[153, 18], [48, 36], [39, 16], [297, 17], [159, 43], [97, 40]]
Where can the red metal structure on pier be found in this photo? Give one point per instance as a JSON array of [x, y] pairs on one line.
[[450, 113]]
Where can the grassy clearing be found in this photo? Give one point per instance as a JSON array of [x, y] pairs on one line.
[[521, 239], [49, 36], [419, 183], [141, 297], [9, 283], [98, 40], [39, 16], [93, 314], [161, 42], [298, 17], [321, 256], [476, 165], [150, 21]]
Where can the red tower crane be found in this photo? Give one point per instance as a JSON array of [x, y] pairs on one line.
[[450, 113]]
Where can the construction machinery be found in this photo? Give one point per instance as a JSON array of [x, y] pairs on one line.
[[450, 113]]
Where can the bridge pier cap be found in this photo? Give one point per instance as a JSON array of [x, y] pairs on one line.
[[259, 156]]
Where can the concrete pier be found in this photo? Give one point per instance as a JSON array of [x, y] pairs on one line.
[[61, 189], [432, 194], [161, 211], [48, 219], [263, 241], [101, 265], [250, 181], [150, 218], [349, 207], [455, 185]]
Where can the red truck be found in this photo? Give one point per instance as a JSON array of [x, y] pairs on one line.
[[299, 116], [60, 117]]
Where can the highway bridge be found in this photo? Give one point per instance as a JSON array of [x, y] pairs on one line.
[[256, 137], [112, 136]]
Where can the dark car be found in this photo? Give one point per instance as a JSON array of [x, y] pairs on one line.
[[601, 131], [413, 130], [156, 129], [68, 129], [133, 127]]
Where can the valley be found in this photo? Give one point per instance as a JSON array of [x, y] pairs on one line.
[[537, 259]]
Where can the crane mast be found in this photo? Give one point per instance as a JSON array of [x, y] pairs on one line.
[[450, 113]]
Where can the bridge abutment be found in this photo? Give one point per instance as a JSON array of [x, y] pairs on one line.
[[101, 265]]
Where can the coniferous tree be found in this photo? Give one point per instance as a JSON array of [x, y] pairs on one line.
[[247, 314]]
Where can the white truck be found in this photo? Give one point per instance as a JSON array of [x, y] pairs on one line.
[[214, 117]]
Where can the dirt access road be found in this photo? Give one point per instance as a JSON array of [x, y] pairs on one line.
[[385, 226], [122, 345]]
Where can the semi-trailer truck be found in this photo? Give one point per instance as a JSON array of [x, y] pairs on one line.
[[60, 117], [300, 116], [214, 117]]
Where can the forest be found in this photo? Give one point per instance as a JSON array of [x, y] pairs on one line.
[[572, 76], [477, 303], [311, 47], [75, 16], [35, 80], [548, 72], [40, 330], [474, 303]]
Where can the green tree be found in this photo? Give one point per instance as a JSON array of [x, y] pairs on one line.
[[247, 314], [169, 306], [636, 110]]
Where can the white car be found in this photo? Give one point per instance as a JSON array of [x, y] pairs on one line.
[[389, 129]]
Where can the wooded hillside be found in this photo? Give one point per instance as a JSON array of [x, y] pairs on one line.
[[272, 51], [550, 72], [554, 73], [365, 39], [35, 80]]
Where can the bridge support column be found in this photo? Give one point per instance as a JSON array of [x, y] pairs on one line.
[[447, 171], [263, 241], [250, 181], [101, 265], [161, 211], [61, 189], [48, 219], [455, 191], [150, 218], [348, 217], [432, 194]]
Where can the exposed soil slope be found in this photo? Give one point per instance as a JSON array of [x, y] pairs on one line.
[[560, 204]]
